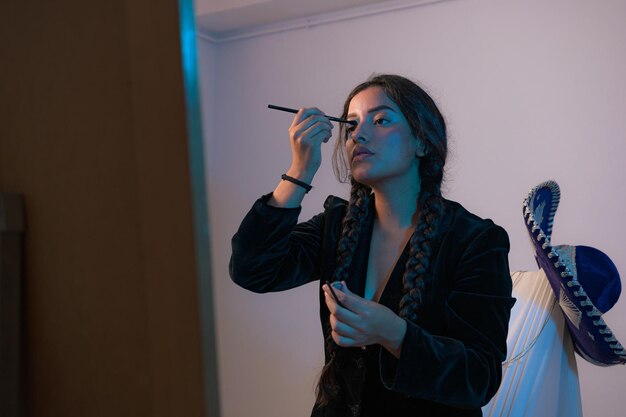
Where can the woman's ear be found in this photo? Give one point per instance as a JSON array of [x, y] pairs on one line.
[[420, 152]]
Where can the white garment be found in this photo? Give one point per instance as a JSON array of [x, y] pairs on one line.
[[540, 377]]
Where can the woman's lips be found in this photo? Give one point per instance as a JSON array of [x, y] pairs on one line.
[[360, 153]]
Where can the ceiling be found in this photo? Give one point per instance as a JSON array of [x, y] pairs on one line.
[[215, 17]]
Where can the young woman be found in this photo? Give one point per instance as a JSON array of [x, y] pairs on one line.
[[422, 286]]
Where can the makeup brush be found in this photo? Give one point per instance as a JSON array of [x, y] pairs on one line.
[[334, 119]]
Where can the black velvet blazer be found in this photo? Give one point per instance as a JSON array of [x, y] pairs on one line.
[[451, 357]]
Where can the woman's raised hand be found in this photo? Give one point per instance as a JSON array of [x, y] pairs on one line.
[[361, 322], [309, 129]]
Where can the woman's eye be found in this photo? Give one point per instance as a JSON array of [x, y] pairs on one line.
[[381, 121], [350, 129]]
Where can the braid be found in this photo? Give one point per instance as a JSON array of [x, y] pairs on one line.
[[356, 214], [355, 217], [430, 204]]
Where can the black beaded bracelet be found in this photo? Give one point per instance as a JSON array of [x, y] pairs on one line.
[[302, 184]]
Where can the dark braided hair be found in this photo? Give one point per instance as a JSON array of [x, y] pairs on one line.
[[356, 214], [427, 124]]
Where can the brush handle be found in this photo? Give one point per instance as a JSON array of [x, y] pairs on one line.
[[331, 118], [332, 291]]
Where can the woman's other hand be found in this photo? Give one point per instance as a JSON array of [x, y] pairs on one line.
[[362, 322]]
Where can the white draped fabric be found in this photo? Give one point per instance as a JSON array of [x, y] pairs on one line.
[[540, 377]]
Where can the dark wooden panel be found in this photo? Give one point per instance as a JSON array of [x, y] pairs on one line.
[[11, 247]]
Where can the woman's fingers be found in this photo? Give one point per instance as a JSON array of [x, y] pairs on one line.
[[343, 334], [312, 133], [350, 300], [344, 341], [308, 123], [308, 130], [341, 312], [347, 336], [306, 113], [315, 134], [347, 326]]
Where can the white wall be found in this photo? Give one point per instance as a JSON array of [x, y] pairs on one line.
[[531, 90]]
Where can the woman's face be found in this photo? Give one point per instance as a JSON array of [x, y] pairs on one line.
[[381, 148]]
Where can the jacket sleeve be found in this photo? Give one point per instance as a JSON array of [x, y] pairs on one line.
[[462, 366], [272, 252]]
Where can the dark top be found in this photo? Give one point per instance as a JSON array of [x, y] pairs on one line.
[[450, 364]]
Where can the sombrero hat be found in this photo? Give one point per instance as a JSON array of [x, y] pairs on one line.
[[584, 279]]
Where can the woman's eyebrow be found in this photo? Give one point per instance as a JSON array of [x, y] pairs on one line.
[[375, 109]]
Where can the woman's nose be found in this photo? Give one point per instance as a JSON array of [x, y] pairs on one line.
[[359, 134]]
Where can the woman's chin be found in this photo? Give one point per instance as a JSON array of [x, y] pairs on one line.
[[363, 176], [359, 174]]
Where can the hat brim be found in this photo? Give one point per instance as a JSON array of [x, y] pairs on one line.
[[593, 339]]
